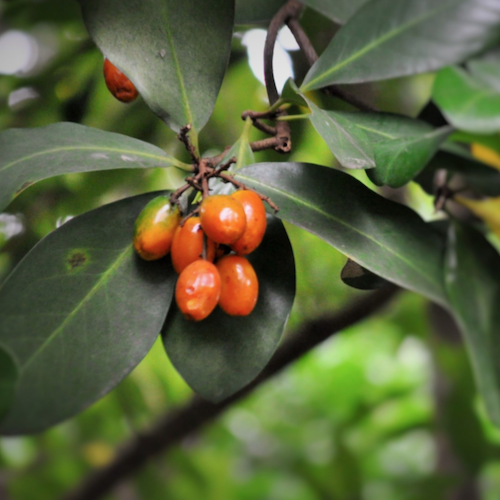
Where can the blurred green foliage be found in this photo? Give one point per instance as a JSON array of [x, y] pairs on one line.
[[384, 411]]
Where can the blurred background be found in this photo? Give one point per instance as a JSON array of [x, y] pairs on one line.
[[386, 410]]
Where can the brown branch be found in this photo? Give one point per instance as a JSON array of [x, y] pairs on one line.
[[183, 136], [179, 424], [290, 10]]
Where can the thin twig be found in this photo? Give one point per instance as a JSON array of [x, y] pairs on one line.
[[290, 10], [184, 138], [181, 423]]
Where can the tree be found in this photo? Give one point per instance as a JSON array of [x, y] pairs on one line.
[[80, 311]]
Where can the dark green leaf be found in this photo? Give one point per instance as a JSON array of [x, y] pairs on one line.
[[339, 11], [457, 160], [386, 39], [79, 313], [472, 277], [221, 354], [30, 155], [8, 378], [467, 102], [399, 161], [402, 146], [174, 52], [358, 277], [256, 11], [385, 237]]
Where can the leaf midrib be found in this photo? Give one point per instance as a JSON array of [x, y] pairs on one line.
[[164, 159], [329, 216], [185, 100], [102, 281], [379, 41]]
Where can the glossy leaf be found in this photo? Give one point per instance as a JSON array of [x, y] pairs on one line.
[[386, 39], [30, 155], [256, 11], [175, 53], [221, 354], [348, 143], [472, 276], [358, 277], [457, 160], [79, 313], [8, 379], [467, 102], [399, 161], [402, 146], [487, 72], [339, 11], [385, 237]]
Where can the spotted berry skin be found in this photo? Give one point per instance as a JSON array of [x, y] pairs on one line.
[[155, 228], [239, 285], [256, 222], [187, 245], [198, 289], [118, 84], [223, 219]]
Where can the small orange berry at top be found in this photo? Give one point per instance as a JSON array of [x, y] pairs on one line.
[[187, 245], [198, 289], [118, 84], [223, 218], [256, 222], [155, 228], [239, 285]]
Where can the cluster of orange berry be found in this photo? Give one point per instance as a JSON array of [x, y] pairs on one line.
[[227, 229]]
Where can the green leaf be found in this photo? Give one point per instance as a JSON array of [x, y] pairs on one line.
[[358, 277], [468, 103], [399, 161], [387, 39], [256, 11], [241, 148], [174, 52], [339, 11], [472, 276], [348, 143], [8, 379], [402, 146], [383, 236], [79, 313], [487, 72], [457, 160], [221, 354], [30, 155]]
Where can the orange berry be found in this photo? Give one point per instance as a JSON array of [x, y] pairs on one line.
[[188, 245], [222, 218], [155, 228], [239, 285], [197, 290], [256, 222], [118, 84]]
